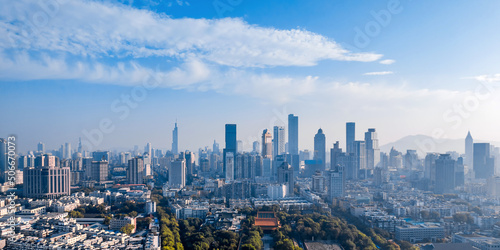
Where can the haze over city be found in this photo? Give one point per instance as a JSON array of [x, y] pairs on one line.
[[249, 125]]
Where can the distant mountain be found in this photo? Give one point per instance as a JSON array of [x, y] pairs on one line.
[[424, 144]]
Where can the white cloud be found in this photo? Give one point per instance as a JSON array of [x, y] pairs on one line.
[[487, 78], [387, 61], [379, 73], [101, 29]]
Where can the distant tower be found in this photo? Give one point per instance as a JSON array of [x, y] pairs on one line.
[[469, 150], [135, 171], [320, 148], [41, 147], [215, 148], [278, 141], [80, 149], [267, 141], [175, 140], [372, 149], [350, 137]]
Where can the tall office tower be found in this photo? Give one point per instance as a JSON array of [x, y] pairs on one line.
[[460, 172], [445, 173], [469, 150], [135, 171], [99, 171], [214, 162], [47, 182], [293, 142], [231, 143], [148, 149], [360, 154], [335, 153], [277, 162], [372, 149], [177, 174], [293, 134], [239, 146], [205, 165], [215, 148], [190, 163], [175, 140], [411, 160], [267, 141], [320, 148], [484, 165], [86, 168], [41, 147], [350, 136], [267, 167], [3, 159], [100, 156], [336, 183], [80, 147], [258, 165], [229, 163], [430, 167], [395, 159], [285, 176], [238, 166], [256, 147], [67, 151], [278, 141]]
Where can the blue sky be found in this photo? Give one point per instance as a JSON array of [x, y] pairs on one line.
[[66, 65]]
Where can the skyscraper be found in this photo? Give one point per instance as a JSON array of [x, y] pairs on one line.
[[135, 171], [293, 142], [99, 171], [177, 173], [215, 148], [175, 140], [350, 134], [320, 148], [293, 134], [267, 141], [256, 147], [278, 141], [67, 151], [372, 149], [41, 147], [445, 173], [231, 143], [484, 165], [229, 163], [336, 182], [469, 150]]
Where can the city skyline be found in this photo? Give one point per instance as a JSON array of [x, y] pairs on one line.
[[336, 74]]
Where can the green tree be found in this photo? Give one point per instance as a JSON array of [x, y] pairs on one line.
[[127, 229]]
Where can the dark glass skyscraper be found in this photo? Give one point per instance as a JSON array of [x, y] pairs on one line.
[[484, 166], [320, 148], [293, 134], [350, 134], [231, 142], [445, 173]]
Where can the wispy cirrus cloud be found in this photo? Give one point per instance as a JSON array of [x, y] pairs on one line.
[[387, 61], [378, 73]]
